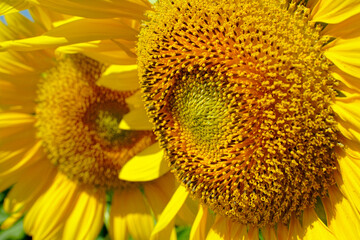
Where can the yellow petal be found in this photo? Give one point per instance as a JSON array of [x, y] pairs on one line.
[[345, 54], [253, 233], [18, 26], [334, 11], [170, 211], [219, 230], [29, 186], [268, 233], [11, 6], [282, 231], [187, 212], [18, 97], [198, 229], [342, 218], [14, 147], [11, 220], [349, 181], [313, 227], [130, 207], [348, 111], [352, 83], [117, 223], [33, 155], [136, 119], [120, 77], [119, 52], [138, 213], [45, 17], [12, 123], [87, 217], [99, 8], [145, 166], [15, 119], [345, 29], [47, 216], [81, 30], [241, 233], [10, 180], [295, 230], [159, 192]]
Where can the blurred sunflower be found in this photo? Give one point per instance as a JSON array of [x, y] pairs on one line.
[[256, 104], [61, 148]]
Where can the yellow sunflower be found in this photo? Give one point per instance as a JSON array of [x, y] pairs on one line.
[[61, 148], [254, 101], [256, 104]]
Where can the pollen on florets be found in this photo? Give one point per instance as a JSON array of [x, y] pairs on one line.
[[77, 122], [240, 97]]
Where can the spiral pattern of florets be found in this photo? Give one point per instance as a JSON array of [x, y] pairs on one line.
[[240, 96]]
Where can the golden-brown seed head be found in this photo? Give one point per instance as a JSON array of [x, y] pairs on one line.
[[78, 121], [240, 97]]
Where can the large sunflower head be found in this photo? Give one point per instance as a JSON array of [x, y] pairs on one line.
[[242, 98]]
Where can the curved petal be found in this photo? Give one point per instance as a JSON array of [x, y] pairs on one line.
[[241, 233], [29, 186], [253, 233], [219, 229], [87, 217], [11, 220], [346, 29], [18, 26], [342, 218], [31, 156], [129, 206], [145, 166], [12, 123], [349, 181], [18, 97], [99, 8], [268, 233], [351, 82], [136, 119], [47, 216], [198, 229], [117, 223], [345, 54], [159, 192], [118, 52], [334, 11], [282, 232], [13, 147], [170, 211], [295, 229], [11, 6], [80, 30], [313, 227], [120, 77], [348, 111]]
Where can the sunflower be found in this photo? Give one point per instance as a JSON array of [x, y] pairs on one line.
[[256, 105], [254, 102], [61, 148]]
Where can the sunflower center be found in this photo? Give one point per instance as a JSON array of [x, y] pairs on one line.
[[240, 96], [197, 106], [77, 122]]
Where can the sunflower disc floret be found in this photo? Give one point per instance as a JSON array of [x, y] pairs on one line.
[[78, 123], [240, 97]]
